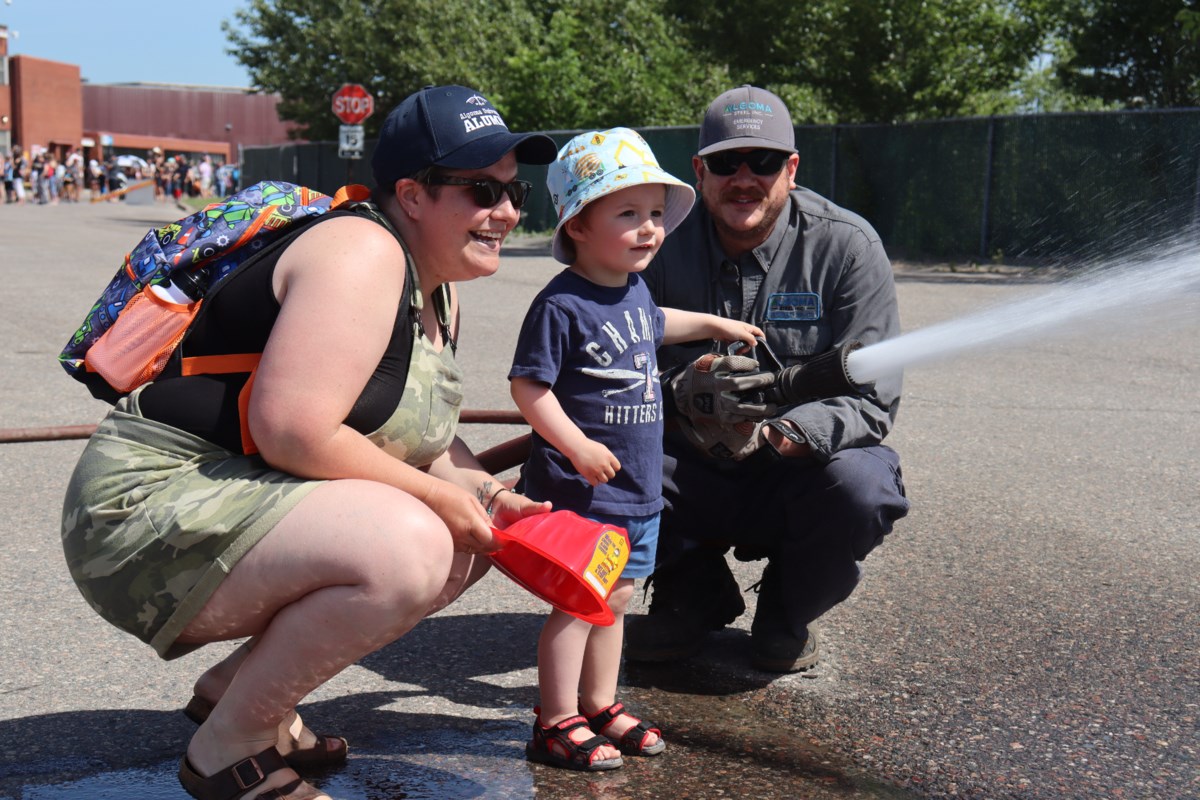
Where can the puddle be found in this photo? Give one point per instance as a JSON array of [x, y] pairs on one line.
[[718, 748], [468, 740]]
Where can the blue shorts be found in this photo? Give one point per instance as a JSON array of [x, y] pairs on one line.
[[643, 540]]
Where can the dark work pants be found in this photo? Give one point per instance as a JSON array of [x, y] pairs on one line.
[[813, 522]]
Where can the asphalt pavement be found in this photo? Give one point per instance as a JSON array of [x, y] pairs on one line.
[[1030, 630]]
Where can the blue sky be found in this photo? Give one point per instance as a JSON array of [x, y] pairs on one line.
[[122, 41]]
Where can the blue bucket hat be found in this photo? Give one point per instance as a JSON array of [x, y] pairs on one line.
[[449, 126], [594, 164]]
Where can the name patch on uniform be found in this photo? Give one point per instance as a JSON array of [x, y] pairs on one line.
[[793, 307]]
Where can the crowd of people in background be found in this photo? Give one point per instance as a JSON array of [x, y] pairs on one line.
[[42, 176], [178, 176]]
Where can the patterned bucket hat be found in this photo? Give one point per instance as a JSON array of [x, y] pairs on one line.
[[597, 163]]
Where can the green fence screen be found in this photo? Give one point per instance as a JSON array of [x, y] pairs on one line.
[[1026, 189]]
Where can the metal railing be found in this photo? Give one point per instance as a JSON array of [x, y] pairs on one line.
[[507, 454]]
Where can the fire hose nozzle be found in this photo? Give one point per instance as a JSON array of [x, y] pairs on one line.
[[822, 377]]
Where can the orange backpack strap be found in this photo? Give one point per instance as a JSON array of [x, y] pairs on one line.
[[224, 364], [219, 365], [351, 193], [248, 445]]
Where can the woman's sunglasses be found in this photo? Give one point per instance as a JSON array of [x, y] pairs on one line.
[[760, 162], [488, 191]]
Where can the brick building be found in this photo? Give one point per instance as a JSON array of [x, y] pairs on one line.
[[6, 110], [46, 104]]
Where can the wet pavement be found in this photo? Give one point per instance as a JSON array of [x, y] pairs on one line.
[[411, 742], [1031, 630]]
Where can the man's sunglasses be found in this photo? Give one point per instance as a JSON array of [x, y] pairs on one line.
[[760, 162], [488, 191]]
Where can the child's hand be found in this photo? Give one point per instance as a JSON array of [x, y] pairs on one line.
[[508, 507], [734, 330], [595, 462]]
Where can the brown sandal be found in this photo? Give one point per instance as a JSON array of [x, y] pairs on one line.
[[319, 756], [236, 780], [633, 741]]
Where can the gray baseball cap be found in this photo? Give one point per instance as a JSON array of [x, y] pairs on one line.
[[747, 117]]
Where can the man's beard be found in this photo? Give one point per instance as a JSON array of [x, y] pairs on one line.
[[751, 237]]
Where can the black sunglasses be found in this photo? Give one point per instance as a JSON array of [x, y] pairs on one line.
[[761, 162], [488, 191]]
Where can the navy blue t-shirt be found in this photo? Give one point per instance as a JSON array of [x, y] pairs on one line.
[[594, 346]]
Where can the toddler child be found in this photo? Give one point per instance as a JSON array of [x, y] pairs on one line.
[[585, 377]]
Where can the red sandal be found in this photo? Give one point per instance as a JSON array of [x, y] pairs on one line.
[[555, 747], [633, 741]]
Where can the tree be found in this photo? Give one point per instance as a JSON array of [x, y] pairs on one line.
[[1040, 89], [601, 63], [1134, 52], [864, 61], [560, 64], [567, 64], [306, 49]]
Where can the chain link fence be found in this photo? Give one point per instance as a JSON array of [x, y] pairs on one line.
[[1049, 188]]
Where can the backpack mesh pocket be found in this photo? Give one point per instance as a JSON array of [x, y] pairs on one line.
[[136, 348]]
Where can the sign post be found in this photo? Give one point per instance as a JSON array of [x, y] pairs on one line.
[[352, 104]]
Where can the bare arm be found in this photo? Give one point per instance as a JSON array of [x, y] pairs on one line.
[[348, 275], [688, 326], [459, 466], [537, 403]]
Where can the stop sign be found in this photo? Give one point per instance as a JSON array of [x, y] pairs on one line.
[[352, 104]]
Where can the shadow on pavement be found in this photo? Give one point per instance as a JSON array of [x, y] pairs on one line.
[[718, 745]]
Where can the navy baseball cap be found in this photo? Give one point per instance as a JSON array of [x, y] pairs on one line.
[[747, 117], [450, 126]]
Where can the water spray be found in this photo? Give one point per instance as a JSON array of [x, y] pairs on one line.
[[1168, 283]]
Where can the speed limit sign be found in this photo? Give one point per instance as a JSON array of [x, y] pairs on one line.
[[350, 141]]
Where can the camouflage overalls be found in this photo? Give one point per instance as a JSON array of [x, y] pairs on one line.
[[155, 517]]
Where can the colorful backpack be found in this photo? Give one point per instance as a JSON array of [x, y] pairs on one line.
[[132, 331]]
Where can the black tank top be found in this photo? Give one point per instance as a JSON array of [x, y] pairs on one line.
[[238, 319]]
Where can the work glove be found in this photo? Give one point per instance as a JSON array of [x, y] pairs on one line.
[[724, 390], [721, 405], [727, 442]]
